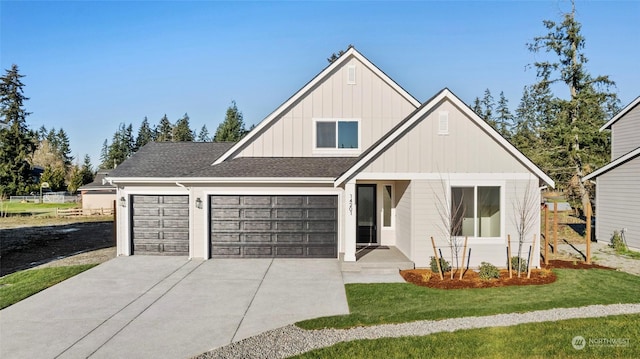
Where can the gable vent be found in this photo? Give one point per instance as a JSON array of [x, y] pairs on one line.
[[351, 75], [443, 123]]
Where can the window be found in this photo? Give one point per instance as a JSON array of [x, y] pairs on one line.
[[443, 123], [342, 134], [351, 75], [387, 198], [475, 211]]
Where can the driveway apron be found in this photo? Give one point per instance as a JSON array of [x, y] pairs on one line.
[[168, 307]]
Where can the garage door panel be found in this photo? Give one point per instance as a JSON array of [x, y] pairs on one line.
[[160, 224], [273, 226]]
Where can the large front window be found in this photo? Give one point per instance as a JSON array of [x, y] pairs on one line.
[[475, 211], [337, 134]]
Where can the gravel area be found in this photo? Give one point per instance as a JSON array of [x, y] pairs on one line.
[[291, 340], [601, 254]]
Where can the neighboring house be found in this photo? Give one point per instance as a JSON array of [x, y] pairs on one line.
[[350, 160], [618, 183], [99, 193]]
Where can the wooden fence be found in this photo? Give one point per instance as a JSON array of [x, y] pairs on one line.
[[78, 212]]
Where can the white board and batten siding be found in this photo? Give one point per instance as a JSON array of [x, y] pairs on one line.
[[370, 100], [618, 203], [625, 133]]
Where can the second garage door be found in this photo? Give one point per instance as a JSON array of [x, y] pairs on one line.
[[274, 226]]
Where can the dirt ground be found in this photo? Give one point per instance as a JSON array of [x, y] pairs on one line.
[[28, 247]]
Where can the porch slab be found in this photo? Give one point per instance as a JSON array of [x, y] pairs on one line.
[[380, 259]]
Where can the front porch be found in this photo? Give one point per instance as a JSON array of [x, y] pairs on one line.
[[377, 259]]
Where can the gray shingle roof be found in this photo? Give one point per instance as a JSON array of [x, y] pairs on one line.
[[194, 159], [170, 159], [279, 167], [97, 184]]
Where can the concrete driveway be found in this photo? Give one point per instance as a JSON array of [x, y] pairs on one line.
[[168, 307]]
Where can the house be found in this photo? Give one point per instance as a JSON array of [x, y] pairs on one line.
[[618, 182], [351, 160], [98, 194]]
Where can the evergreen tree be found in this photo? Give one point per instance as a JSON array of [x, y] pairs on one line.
[[477, 107], [87, 171], [80, 175], [145, 135], [182, 131], [54, 175], [578, 146], [488, 105], [17, 142], [504, 119], [121, 147], [63, 147], [232, 128], [165, 130], [203, 136], [104, 155]]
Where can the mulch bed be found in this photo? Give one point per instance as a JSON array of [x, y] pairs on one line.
[[470, 279]]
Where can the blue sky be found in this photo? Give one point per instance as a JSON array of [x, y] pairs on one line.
[[91, 65]]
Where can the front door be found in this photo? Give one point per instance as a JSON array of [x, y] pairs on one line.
[[366, 213]]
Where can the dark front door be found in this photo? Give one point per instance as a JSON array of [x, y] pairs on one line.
[[366, 213]]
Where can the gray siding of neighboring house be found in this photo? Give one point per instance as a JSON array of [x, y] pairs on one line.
[[618, 203], [370, 100], [625, 133]]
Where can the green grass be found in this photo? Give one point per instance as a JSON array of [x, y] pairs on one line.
[[372, 304], [34, 208], [628, 253], [20, 285], [533, 340]]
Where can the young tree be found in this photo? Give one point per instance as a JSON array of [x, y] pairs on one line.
[[165, 130], [182, 131], [525, 211], [17, 142], [145, 134], [451, 210], [573, 134], [203, 136], [232, 129]]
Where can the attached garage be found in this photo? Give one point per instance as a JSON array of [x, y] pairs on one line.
[[160, 225], [294, 226]]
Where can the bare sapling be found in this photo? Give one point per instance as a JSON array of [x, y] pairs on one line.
[[524, 219], [451, 211]]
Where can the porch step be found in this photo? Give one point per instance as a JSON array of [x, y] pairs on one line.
[[384, 260]]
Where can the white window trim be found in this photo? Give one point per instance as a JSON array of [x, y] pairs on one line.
[[336, 151], [483, 183]]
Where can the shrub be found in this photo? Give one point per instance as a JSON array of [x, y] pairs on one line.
[[545, 272], [426, 277], [617, 243], [488, 271], [443, 263], [514, 264]]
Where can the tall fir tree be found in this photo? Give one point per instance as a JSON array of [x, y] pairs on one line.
[[232, 128], [487, 108], [182, 131], [477, 107], [17, 141], [503, 118], [203, 135], [165, 130], [145, 135], [573, 134]]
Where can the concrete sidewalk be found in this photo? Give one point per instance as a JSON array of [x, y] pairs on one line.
[[168, 307]]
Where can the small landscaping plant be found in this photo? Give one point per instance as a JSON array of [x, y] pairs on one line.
[[426, 277], [488, 271], [514, 264], [617, 243], [443, 264]]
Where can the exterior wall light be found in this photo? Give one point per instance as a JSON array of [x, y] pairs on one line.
[[123, 202], [198, 203]]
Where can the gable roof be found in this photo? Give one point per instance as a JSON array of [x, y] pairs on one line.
[[98, 183], [170, 159], [412, 119], [620, 114], [273, 116], [619, 161]]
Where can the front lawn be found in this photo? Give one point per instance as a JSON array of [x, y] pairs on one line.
[[20, 285], [43, 209], [372, 304], [607, 337]]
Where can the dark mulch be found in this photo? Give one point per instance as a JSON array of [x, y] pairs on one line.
[[27, 247]]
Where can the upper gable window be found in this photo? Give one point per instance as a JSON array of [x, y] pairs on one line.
[[337, 135]]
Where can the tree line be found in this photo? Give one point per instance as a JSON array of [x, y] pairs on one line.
[[125, 143], [559, 133]]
